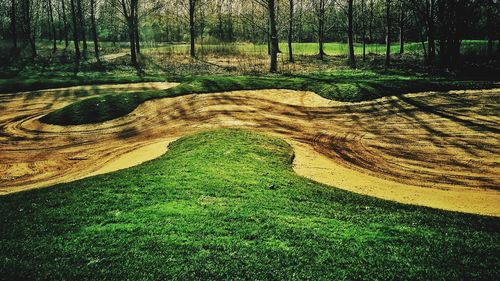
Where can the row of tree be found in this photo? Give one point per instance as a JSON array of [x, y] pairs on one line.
[[440, 25]]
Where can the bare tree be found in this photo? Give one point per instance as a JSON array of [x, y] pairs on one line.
[[81, 23], [273, 34], [52, 26], [192, 28], [28, 26], [321, 28], [13, 22], [290, 33], [136, 27], [363, 28], [350, 34], [388, 33], [65, 23], [75, 31], [402, 18], [128, 12], [94, 29]]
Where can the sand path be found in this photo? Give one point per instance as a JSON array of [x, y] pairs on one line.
[[433, 149]]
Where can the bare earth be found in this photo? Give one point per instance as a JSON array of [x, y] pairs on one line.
[[432, 149]]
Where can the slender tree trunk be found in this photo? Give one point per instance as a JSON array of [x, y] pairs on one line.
[[401, 28], [192, 31], [430, 32], [442, 33], [370, 23], [489, 26], [274, 35], [81, 22], [131, 33], [388, 33], [53, 27], [136, 27], [13, 22], [75, 32], [220, 21], [321, 29], [350, 35], [65, 24], [363, 23], [94, 29], [28, 22], [290, 33]]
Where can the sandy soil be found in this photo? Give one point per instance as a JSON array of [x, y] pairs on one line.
[[433, 149]]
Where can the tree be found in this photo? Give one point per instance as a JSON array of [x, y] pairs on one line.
[[290, 33], [192, 28], [388, 33], [13, 23], [401, 26], [75, 32], [53, 26], [136, 27], [352, 59], [363, 28], [94, 29], [274, 35], [65, 24], [81, 22], [321, 28], [128, 11], [28, 26]]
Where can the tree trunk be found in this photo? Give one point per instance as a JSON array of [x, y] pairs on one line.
[[290, 33], [75, 32], [321, 29], [443, 52], [81, 22], [370, 23], [65, 24], [136, 27], [401, 28], [363, 23], [274, 35], [490, 26], [131, 34], [430, 32], [388, 33], [53, 27], [29, 27], [192, 31], [13, 22], [94, 30], [352, 59]]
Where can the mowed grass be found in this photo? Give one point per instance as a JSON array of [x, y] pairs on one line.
[[226, 204], [339, 85], [306, 49]]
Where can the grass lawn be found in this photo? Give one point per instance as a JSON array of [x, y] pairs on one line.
[[226, 204]]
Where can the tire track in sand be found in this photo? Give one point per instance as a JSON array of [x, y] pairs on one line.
[[432, 149]]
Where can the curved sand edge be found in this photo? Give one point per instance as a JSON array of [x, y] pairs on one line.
[[77, 152], [313, 165]]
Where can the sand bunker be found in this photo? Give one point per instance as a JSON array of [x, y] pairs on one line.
[[432, 149]]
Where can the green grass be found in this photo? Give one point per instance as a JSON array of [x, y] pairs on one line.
[[31, 80], [338, 85], [308, 49], [227, 205]]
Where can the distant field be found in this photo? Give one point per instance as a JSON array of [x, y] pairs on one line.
[[309, 49]]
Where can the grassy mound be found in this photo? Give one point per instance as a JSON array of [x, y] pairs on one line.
[[339, 85], [226, 204]]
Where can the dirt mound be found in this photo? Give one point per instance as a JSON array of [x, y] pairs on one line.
[[433, 149]]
